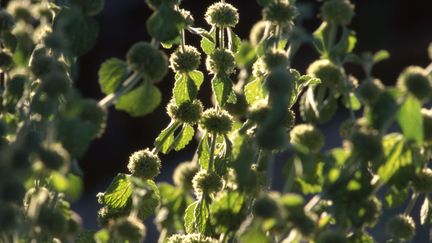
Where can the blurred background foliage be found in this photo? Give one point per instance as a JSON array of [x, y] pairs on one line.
[[403, 27]]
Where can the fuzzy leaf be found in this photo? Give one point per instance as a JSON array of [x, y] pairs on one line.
[[396, 156], [111, 74], [204, 152], [118, 192], [410, 119], [352, 102], [254, 91], [208, 42], [201, 216], [222, 88], [185, 137], [380, 56], [140, 101], [236, 41], [165, 140], [189, 218]]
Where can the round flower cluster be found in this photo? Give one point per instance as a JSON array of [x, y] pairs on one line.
[[144, 164], [329, 74], [216, 121], [221, 61], [367, 144], [280, 12], [184, 174], [206, 182], [186, 60], [222, 15], [187, 112], [280, 80], [370, 90], [415, 81], [339, 12], [129, 229], [145, 58], [401, 227], [265, 207], [307, 136], [55, 83]]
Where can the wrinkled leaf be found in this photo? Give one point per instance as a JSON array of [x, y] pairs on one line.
[[140, 101], [111, 74], [184, 137], [118, 193], [254, 91], [223, 90], [410, 119]]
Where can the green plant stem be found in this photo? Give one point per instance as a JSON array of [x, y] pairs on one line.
[[183, 40], [127, 85], [212, 151], [411, 203]]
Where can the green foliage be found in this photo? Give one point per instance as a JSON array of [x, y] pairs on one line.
[[224, 193]]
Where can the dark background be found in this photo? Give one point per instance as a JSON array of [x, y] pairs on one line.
[[403, 27]]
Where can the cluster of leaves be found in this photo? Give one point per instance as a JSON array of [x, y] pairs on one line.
[[224, 192], [45, 124]]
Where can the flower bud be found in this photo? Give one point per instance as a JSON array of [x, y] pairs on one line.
[[401, 227], [370, 90], [280, 12], [52, 221], [339, 12], [221, 61], [271, 137], [144, 164], [206, 182], [265, 207], [307, 136], [275, 59], [367, 144], [187, 112], [184, 174], [329, 74], [6, 21], [6, 61], [129, 229], [422, 181], [54, 157], [415, 81], [55, 83], [186, 60], [280, 81], [216, 121], [222, 15], [332, 237], [143, 57]]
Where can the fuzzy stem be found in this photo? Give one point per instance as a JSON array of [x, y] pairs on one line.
[[126, 86], [411, 203], [212, 150]]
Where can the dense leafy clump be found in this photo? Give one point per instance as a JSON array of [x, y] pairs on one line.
[[224, 193]]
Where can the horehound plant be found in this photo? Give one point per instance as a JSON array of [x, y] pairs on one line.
[[224, 193]]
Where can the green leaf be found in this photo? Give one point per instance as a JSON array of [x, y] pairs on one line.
[[351, 102], [204, 152], [236, 41], [111, 74], [410, 119], [208, 41], [165, 140], [346, 43], [380, 56], [246, 56], [424, 211], [254, 234], [150, 201], [81, 31], [383, 111], [228, 203], [202, 213], [223, 90], [395, 197], [140, 101], [197, 77], [118, 193], [189, 217], [102, 236], [397, 156], [254, 91], [184, 137], [322, 39], [165, 24]]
